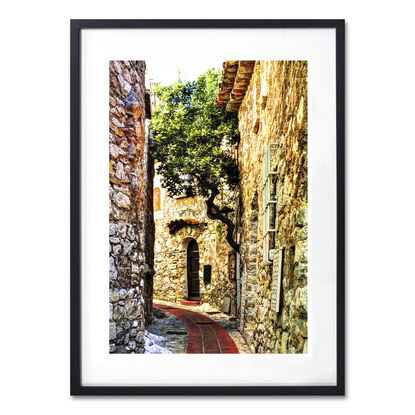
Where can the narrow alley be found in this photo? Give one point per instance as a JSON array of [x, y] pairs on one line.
[[208, 212], [187, 327]]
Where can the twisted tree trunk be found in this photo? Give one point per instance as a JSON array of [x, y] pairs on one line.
[[213, 212]]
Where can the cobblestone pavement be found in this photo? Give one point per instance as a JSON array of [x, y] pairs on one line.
[[171, 329], [229, 337]]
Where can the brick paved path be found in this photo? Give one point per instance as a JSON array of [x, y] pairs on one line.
[[204, 335]]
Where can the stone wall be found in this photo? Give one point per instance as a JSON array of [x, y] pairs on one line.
[[274, 110], [130, 208], [170, 280]]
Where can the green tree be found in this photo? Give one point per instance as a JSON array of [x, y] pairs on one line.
[[192, 141]]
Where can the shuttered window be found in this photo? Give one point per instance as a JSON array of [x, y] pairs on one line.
[[157, 199], [269, 202]]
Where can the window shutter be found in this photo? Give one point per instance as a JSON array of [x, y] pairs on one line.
[[269, 213]]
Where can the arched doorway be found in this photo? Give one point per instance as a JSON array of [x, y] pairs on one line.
[[193, 270]]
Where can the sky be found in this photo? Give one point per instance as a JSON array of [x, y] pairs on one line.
[[165, 71]]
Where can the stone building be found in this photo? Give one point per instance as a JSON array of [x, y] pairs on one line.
[[271, 100], [193, 261], [131, 228]]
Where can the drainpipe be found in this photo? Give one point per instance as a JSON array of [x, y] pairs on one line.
[[238, 276]]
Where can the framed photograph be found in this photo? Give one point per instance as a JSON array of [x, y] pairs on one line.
[[207, 207]]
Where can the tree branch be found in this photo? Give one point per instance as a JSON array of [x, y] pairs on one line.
[[213, 212]]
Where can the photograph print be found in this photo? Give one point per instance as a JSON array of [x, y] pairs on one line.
[[208, 207]]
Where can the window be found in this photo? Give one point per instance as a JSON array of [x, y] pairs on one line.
[[157, 199], [207, 274], [269, 199]]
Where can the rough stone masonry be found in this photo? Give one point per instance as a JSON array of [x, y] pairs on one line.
[[177, 221], [130, 207], [271, 100]]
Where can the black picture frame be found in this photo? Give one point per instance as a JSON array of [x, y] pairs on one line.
[[76, 27]]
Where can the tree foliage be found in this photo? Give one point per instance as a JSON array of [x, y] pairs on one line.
[[193, 139]]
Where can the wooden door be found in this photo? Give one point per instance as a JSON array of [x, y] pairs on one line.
[[193, 270]]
